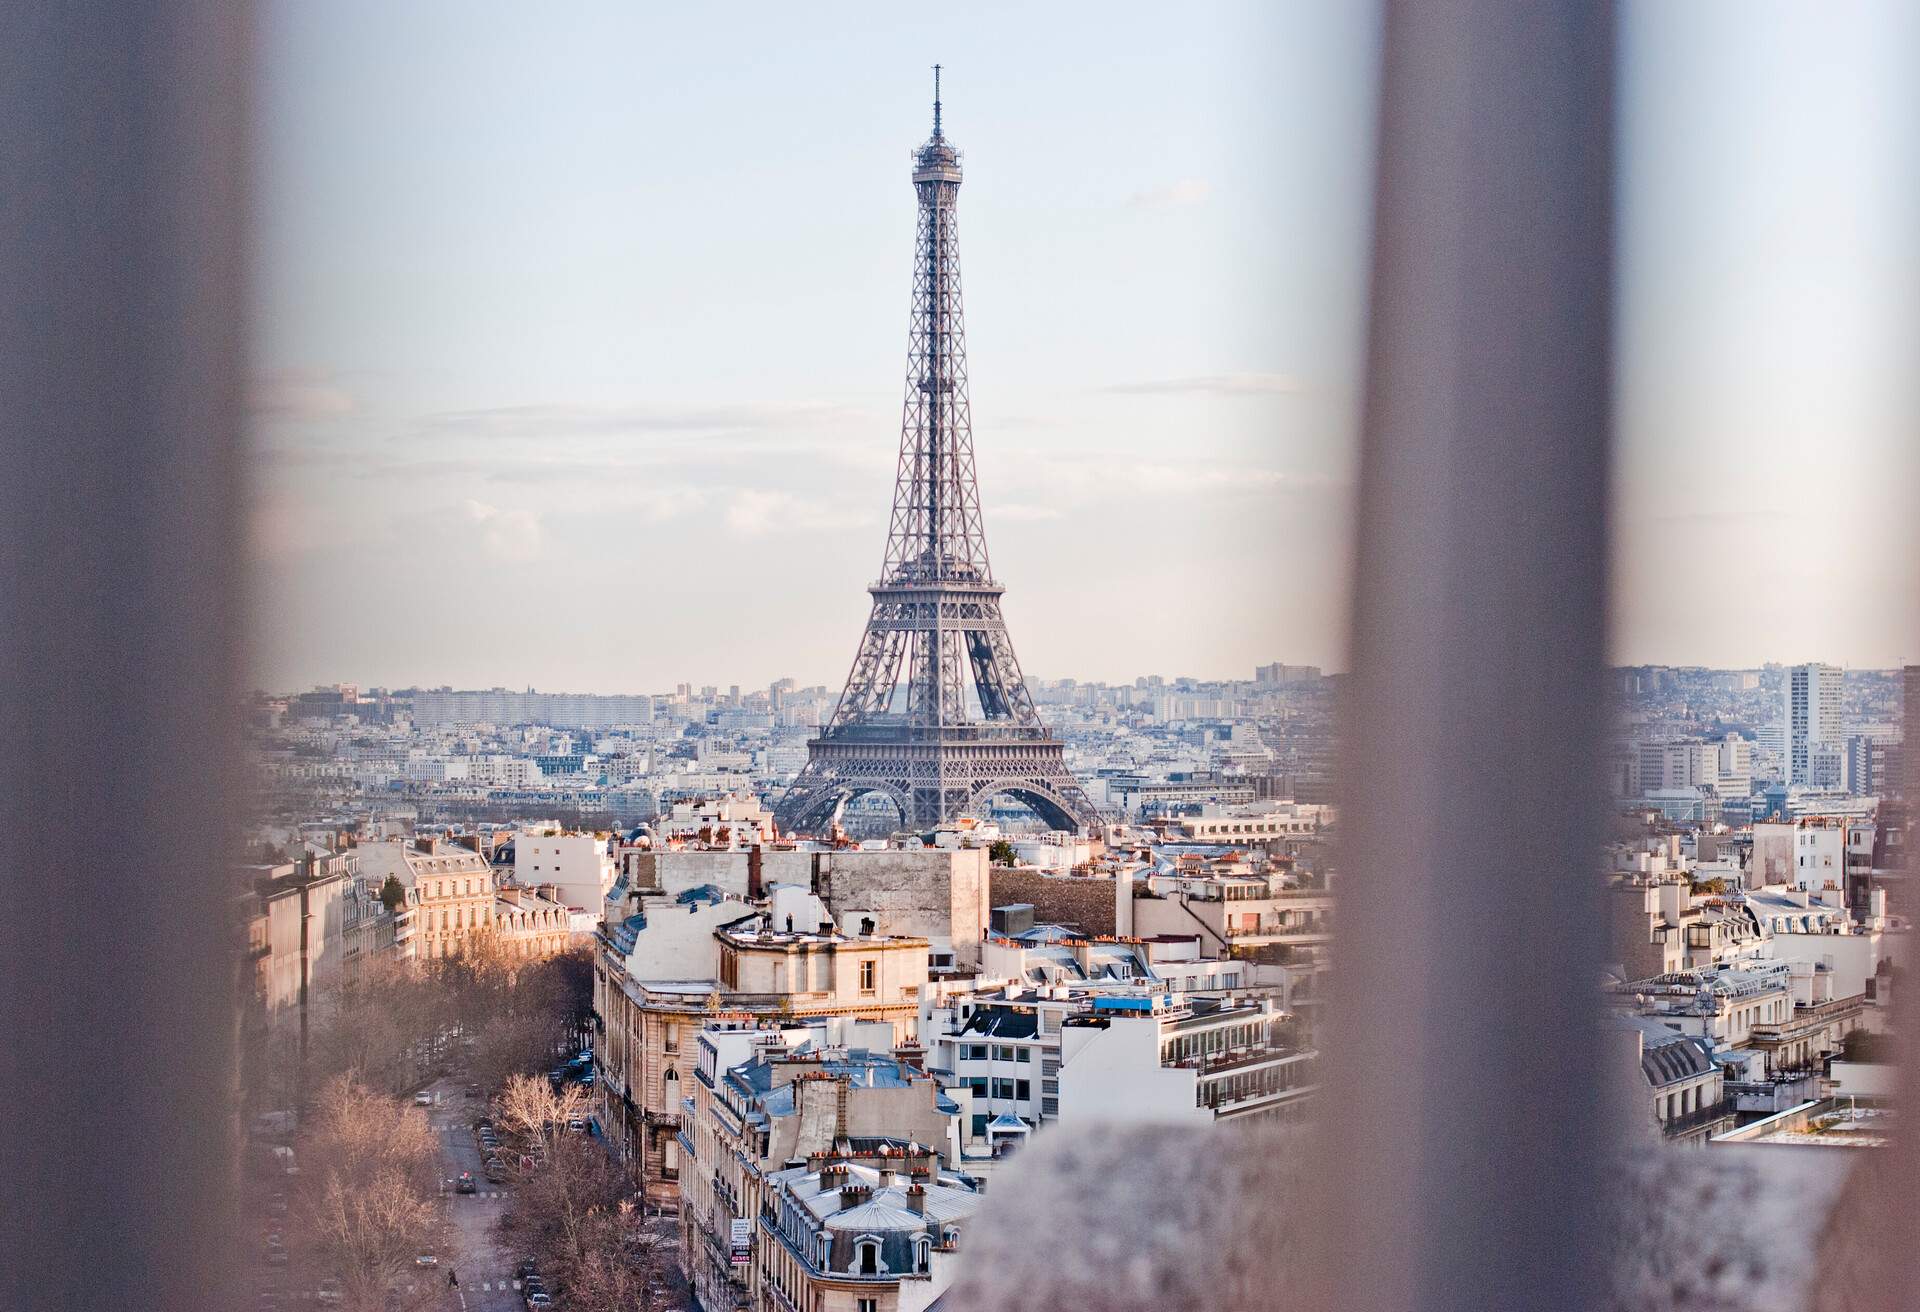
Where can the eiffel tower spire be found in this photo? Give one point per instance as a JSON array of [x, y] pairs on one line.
[[936, 713]]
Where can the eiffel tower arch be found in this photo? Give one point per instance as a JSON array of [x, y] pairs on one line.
[[936, 713]]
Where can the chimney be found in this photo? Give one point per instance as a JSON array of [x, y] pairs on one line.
[[885, 1180], [853, 1195], [917, 1198], [754, 889]]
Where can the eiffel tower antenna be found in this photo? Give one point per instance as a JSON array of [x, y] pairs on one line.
[[936, 714]]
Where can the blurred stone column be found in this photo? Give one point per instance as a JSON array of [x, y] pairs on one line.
[[121, 647]]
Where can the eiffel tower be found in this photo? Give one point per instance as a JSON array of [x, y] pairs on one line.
[[936, 714]]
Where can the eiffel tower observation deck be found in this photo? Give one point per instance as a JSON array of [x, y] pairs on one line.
[[936, 714]]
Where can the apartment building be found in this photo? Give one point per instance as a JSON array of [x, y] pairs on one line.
[[1687, 1091], [671, 968], [762, 1100], [857, 1233], [450, 893], [1190, 1057], [532, 922], [579, 866], [1247, 824], [1234, 912]]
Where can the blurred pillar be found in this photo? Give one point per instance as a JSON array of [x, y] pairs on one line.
[[121, 515], [1464, 1122]]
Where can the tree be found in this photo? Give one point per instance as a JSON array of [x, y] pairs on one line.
[[529, 1107], [370, 1189], [513, 1045], [1000, 852], [575, 1217], [393, 894]]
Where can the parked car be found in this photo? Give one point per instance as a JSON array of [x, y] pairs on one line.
[[466, 1184], [426, 1259], [539, 1300], [526, 1268], [423, 1099], [577, 1125]]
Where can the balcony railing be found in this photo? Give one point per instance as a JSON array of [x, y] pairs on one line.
[[1234, 1059], [1693, 1120]]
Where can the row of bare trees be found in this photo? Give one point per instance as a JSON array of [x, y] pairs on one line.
[[395, 1025], [574, 1212], [368, 1201]]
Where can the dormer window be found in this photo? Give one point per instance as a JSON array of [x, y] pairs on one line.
[[923, 1255], [866, 1257]]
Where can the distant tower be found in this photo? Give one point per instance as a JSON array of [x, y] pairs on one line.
[[936, 714], [1815, 733]]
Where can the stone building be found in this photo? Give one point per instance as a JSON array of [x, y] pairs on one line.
[[859, 1233], [939, 894], [765, 1100], [450, 893], [532, 922], [667, 971]]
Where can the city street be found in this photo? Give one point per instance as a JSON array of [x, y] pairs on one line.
[[486, 1270]]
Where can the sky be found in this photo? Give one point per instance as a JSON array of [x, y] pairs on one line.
[[580, 343]]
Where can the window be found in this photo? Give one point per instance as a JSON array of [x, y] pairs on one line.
[[923, 1255], [1001, 1052], [978, 1083], [867, 1305], [866, 976], [1023, 1054], [866, 1257], [973, 1052], [1003, 1088], [1022, 1090]]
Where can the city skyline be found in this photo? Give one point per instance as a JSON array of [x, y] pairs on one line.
[[549, 390]]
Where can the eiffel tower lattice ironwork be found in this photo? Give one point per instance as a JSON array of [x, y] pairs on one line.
[[936, 714]]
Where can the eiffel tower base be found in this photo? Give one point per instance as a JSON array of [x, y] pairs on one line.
[[933, 783]]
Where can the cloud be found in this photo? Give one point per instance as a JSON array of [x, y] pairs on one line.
[[1248, 384], [551, 420], [1172, 195], [1023, 512], [504, 534], [756, 512], [299, 395]]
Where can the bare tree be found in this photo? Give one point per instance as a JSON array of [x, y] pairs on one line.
[[509, 1045], [576, 1215], [370, 1189], [368, 1233], [532, 1109]]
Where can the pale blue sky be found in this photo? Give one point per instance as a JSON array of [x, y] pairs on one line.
[[581, 342]]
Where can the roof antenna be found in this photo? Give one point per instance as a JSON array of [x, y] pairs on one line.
[[936, 100]]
